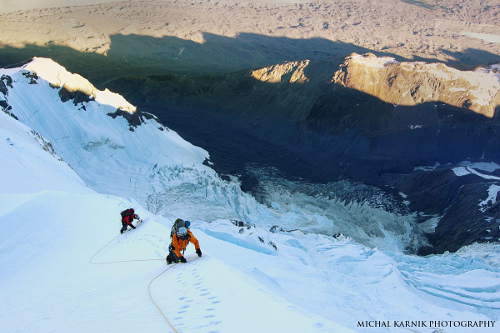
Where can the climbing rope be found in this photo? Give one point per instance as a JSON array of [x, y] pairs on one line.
[[90, 260], [153, 301], [150, 282], [151, 297], [115, 262]]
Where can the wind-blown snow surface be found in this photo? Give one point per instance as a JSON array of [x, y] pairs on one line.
[[65, 267]]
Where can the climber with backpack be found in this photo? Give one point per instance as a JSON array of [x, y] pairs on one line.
[[181, 236], [178, 224], [128, 216]]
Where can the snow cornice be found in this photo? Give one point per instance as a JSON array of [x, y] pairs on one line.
[[59, 77]]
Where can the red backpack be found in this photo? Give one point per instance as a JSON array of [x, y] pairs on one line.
[[127, 213]]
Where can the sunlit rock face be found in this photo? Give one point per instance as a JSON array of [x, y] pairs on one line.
[[292, 72], [398, 115], [413, 83]]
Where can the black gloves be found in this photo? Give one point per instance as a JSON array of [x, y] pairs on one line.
[[182, 259], [198, 252]]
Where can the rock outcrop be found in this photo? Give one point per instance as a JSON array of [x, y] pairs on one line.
[[413, 83], [292, 72]]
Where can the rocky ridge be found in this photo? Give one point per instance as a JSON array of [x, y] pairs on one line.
[[277, 73], [413, 83]]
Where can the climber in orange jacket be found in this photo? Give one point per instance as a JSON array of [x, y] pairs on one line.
[[180, 241]]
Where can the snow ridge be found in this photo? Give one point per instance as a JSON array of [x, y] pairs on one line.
[[59, 77]]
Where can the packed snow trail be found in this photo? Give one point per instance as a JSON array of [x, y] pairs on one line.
[[191, 298], [135, 260], [92, 261], [211, 297], [153, 301]]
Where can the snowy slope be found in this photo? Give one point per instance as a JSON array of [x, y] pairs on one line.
[[66, 268], [29, 165], [61, 279], [148, 162]]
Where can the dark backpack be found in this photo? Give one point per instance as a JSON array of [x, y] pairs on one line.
[[179, 223], [127, 212]]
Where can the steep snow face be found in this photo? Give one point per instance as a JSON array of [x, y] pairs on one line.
[[109, 154], [66, 271], [140, 159], [29, 163]]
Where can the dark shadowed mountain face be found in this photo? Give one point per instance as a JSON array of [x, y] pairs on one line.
[[293, 116], [319, 131]]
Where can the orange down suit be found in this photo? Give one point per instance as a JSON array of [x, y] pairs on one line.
[[180, 244]]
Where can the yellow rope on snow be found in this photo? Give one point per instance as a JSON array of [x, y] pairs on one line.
[[150, 282], [151, 297], [153, 301], [90, 260], [115, 262]]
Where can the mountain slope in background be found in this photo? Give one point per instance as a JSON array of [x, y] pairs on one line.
[[66, 268], [325, 121], [163, 172], [416, 83]]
